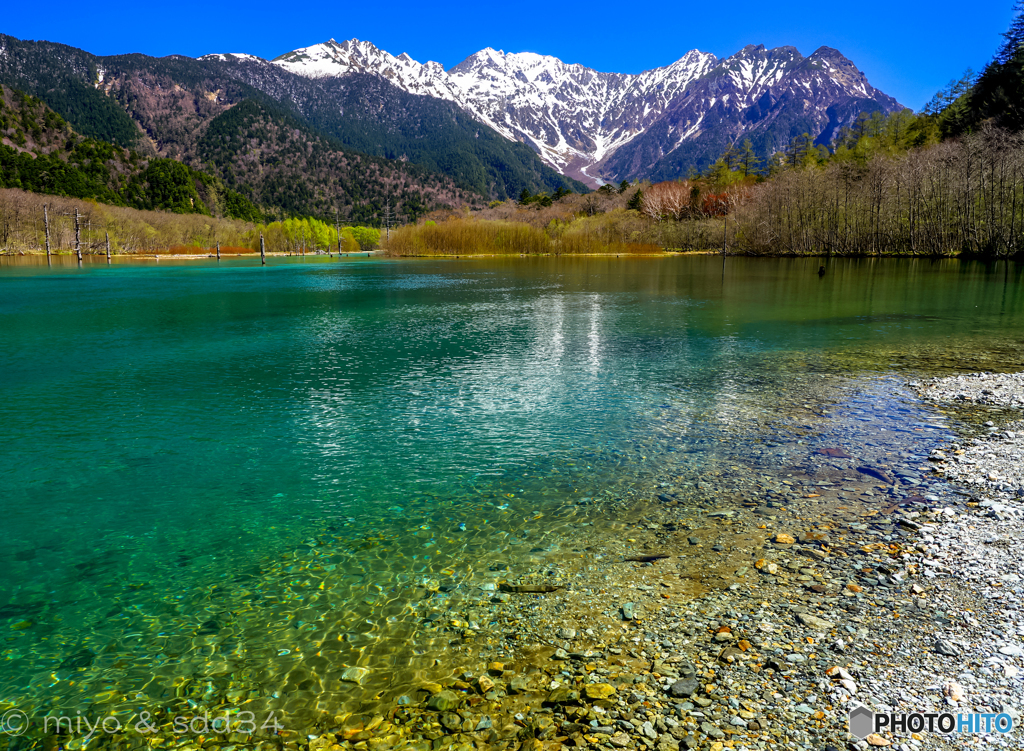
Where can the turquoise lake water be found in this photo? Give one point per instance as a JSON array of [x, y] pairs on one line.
[[210, 471]]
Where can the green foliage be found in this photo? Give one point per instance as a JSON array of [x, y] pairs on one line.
[[347, 243], [747, 159], [891, 134], [48, 173], [237, 206], [870, 134], [91, 113], [539, 200], [168, 185], [367, 237], [311, 235]]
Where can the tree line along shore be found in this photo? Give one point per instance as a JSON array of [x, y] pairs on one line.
[[962, 196], [876, 194]]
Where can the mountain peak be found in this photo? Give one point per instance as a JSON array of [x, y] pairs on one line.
[[830, 54]]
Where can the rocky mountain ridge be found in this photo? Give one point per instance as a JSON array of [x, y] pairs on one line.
[[598, 126]]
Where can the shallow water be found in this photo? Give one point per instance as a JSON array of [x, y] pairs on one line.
[[227, 485]]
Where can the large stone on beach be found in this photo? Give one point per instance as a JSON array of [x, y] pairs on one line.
[[813, 536], [518, 685], [814, 621], [783, 539], [451, 722], [445, 701], [595, 691], [684, 687], [563, 695], [484, 683]]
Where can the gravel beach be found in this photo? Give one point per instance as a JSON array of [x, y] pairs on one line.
[[759, 622], [864, 558]]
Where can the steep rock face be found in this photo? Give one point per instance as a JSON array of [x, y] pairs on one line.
[[571, 114], [594, 125], [768, 96]]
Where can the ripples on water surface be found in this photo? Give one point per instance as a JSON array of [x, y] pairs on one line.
[[228, 485]]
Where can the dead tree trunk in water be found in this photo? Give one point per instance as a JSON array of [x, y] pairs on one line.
[[78, 237], [46, 232], [107, 234], [218, 250], [263, 251]]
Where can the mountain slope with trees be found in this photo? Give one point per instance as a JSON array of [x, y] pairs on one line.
[[163, 105], [40, 152], [277, 161]]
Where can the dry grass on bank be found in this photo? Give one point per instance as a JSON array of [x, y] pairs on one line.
[[131, 231], [458, 236]]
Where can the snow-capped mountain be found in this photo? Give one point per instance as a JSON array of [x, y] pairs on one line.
[[593, 126]]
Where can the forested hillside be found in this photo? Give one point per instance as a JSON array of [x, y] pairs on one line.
[[62, 76], [41, 153], [277, 161], [298, 173], [162, 106]]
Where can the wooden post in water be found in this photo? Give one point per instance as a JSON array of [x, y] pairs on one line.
[[107, 234], [337, 228], [263, 252], [78, 237], [46, 231], [218, 250]]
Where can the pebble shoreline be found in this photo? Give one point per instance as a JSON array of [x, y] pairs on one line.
[[914, 607], [751, 620]]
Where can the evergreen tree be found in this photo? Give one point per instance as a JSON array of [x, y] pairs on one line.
[[623, 187], [635, 200], [998, 94], [730, 158], [747, 159]]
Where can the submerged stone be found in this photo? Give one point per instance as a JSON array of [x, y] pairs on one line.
[[444, 701]]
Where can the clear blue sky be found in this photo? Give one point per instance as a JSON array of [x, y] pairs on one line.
[[908, 50]]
